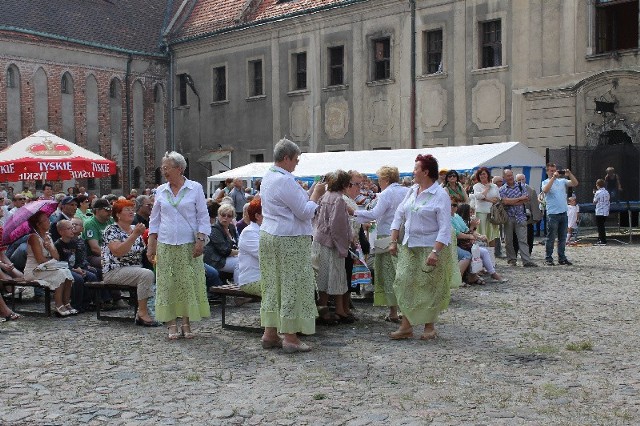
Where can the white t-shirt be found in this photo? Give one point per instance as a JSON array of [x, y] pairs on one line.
[[572, 214]]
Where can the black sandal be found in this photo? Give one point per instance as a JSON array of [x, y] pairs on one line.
[[328, 320], [347, 319]]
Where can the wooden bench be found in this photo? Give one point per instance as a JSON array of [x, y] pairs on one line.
[[97, 299], [34, 284], [233, 290]]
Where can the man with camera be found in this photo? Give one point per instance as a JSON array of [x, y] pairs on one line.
[[555, 189]]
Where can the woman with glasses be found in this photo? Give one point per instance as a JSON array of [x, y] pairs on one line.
[[426, 264], [83, 212], [454, 187], [122, 258], [222, 250], [178, 225]]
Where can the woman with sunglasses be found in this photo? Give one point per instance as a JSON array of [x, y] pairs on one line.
[[83, 211], [454, 188], [222, 250], [427, 266]]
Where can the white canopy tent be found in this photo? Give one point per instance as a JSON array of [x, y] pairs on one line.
[[497, 156]]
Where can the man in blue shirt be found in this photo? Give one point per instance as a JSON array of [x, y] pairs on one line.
[[514, 197], [555, 189]]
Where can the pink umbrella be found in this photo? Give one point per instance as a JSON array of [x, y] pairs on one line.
[[17, 225]]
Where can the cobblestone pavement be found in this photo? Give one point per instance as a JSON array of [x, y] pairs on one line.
[[555, 345]]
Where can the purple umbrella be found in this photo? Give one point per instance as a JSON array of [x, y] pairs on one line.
[[17, 225]]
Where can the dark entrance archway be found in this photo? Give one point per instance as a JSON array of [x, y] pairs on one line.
[[616, 150]]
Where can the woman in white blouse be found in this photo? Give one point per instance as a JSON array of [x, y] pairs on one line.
[[178, 225], [288, 284], [384, 263], [248, 270], [486, 194], [426, 264]]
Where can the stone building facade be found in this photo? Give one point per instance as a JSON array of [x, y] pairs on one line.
[[346, 74]]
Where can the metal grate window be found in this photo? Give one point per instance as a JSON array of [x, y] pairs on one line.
[[491, 44], [336, 65], [255, 78], [382, 59], [433, 53], [220, 84]]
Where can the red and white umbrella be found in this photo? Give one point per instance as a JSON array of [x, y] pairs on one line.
[[44, 156]]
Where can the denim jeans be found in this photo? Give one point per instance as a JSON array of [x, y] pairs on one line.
[[212, 276], [557, 226]]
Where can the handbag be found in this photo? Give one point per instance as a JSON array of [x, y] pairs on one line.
[[465, 244], [381, 245], [361, 276], [476, 260], [498, 214]]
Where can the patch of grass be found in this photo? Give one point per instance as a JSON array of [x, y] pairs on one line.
[[319, 396], [545, 349], [193, 377], [551, 391], [585, 345], [624, 415]]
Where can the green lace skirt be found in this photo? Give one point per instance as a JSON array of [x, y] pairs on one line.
[[288, 284], [424, 291], [180, 284]]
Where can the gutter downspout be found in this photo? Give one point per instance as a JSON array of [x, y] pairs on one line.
[[128, 112], [172, 142], [412, 3]]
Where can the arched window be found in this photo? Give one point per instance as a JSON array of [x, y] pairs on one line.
[[11, 77], [137, 174], [66, 85], [113, 89], [158, 176], [157, 94]]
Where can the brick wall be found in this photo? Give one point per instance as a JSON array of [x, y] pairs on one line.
[[155, 73]]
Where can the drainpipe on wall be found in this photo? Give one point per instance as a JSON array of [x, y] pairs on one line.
[[172, 141], [128, 112], [412, 3]]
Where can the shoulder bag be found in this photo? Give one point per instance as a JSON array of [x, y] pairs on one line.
[[498, 214]]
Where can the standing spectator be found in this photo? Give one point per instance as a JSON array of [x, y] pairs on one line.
[[331, 238], [238, 196], [181, 289], [288, 284], [573, 214], [555, 189], [601, 199], [384, 263], [613, 184], [532, 208], [122, 258], [426, 263], [486, 194], [47, 192], [498, 181], [143, 210], [454, 188], [514, 197]]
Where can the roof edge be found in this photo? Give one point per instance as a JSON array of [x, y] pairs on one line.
[[81, 42], [264, 21]]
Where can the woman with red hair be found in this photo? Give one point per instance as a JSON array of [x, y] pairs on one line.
[[248, 270], [426, 264], [122, 258]]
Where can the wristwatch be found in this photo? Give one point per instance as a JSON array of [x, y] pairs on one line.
[[436, 252]]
